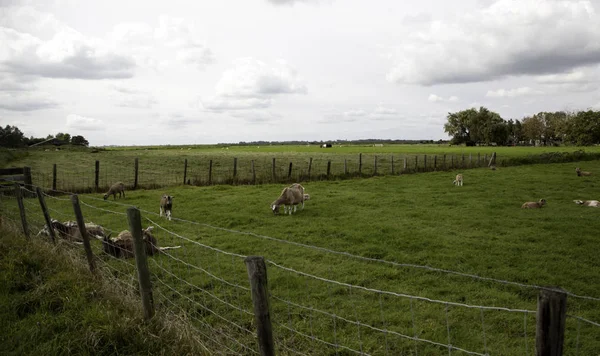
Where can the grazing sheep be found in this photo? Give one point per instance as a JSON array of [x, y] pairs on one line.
[[581, 173], [122, 245], [166, 206], [459, 180], [534, 204], [118, 187], [292, 195], [591, 203]]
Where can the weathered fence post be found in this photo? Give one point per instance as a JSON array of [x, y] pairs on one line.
[[40, 195], [424, 163], [492, 160], [309, 167], [328, 168], [345, 166], [54, 177], [360, 163], [135, 226], [210, 172], [19, 196], [136, 166], [83, 232], [184, 170], [444, 164], [550, 323], [375, 166], [404, 163], [234, 168], [257, 274], [253, 173], [290, 171], [435, 163], [97, 179], [392, 164], [416, 163], [274, 174], [27, 178], [485, 159]]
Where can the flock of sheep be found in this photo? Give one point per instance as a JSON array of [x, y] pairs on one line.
[[538, 204]]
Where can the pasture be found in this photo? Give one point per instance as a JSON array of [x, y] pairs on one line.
[[325, 302]]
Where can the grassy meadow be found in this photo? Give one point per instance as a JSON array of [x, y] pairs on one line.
[[418, 219]]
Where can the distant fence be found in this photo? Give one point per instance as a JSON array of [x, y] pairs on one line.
[[241, 304]]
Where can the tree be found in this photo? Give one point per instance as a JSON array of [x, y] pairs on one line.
[[12, 137], [533, 128], [79, 140], [64, 137], [583, 128], [476, 126]]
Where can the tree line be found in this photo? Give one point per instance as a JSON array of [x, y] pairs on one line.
[[12, 137], [482, 126]]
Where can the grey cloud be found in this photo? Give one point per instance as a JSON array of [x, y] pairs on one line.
[[256, 116], [25, 103]]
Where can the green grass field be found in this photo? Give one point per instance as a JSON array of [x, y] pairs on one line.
[[417, 219]]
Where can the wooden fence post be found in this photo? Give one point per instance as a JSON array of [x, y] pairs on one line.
[[135, 226], [463, 161], [210, 172], [444, 164], [360, 163], [404, 164], [253, 173], [27, 178], [19, 196], [234, 167], [345, 166], [273, 168], [309, 167], [435, 163], [550, 323], [492, 160], [136, 166], [54, 177], [83, 232], [375, 166], [328, 168], [416, 163], [97, 178], [424, 163], [40, 195], [257, 274], [184, 170], [485, 158], [392, 164], [290, 171]]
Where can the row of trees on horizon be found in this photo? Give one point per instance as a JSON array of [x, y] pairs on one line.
[[469, 127]]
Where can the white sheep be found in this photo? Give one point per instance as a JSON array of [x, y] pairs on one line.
[[166, 206], [122, 245], [290, 196], [590, 203], [70, 231], [459, 180], [581, 173], [118, 187], [534, 204]]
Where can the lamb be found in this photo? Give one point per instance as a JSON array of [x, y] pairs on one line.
[[459, 180], [590, 203], [166, 206], [534, 204], [122, 245], [118, 187], [581, 173], [292, 195], [69, 230]]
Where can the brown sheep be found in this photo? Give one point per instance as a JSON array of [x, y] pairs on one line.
[[122, 245], [534, 204], [118, 187], [581, 173]]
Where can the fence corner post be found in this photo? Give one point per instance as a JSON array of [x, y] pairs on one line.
[[19, 195], [550, 322], [257, 274], [83, 232], [135, 226]]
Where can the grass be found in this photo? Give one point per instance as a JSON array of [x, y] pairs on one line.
[[414, 219]]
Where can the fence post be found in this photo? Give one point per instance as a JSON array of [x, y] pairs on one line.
[[435, 163], [253, 173], [444, 164], [392, 164], [416, 163], [184, 171], [97, 176], [309, 167], [135, 226], [485, 158], [136, 165], [492, 160], [54, 177], [210, 172], [83, 232], [404, 164], [234, 167], [360, 163], [328, 168], [38, 190], [463, 161], [273, 168], [257, 274], [375, 166], [19, 195], [27, 176], [550, 323], [424, 163], [345, 166], [290, 171]]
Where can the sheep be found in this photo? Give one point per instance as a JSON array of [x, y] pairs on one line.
[[292, 195], [459, 180], [493, 168], [118, 187], [581, 173], [70, 231], [534, 204], [166, 206], [591, 203], [122, 245]]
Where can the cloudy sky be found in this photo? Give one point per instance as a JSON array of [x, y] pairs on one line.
[[185, 72]]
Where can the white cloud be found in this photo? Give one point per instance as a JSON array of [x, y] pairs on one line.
[[25, 101], [177, 33], [257, 116], [435, 98], [130, 97], [508, 38], [512, 93], [84, 123]]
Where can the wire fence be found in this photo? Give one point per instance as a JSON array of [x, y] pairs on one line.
[[310, 311]]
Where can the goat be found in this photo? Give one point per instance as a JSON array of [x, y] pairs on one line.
[[459, 180], [534, 204], [591, 203], [118, 187], [292, 195], [122, 245], [166, 206], [581, 173]]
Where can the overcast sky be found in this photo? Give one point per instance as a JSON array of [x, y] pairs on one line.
[[184, 72]]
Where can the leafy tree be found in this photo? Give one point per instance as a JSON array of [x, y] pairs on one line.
[[533, 128], [476, 126], [583, 128], [79, 140], [64, 137], [12, 137]]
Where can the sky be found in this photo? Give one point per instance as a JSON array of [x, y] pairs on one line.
[[200, 72]]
